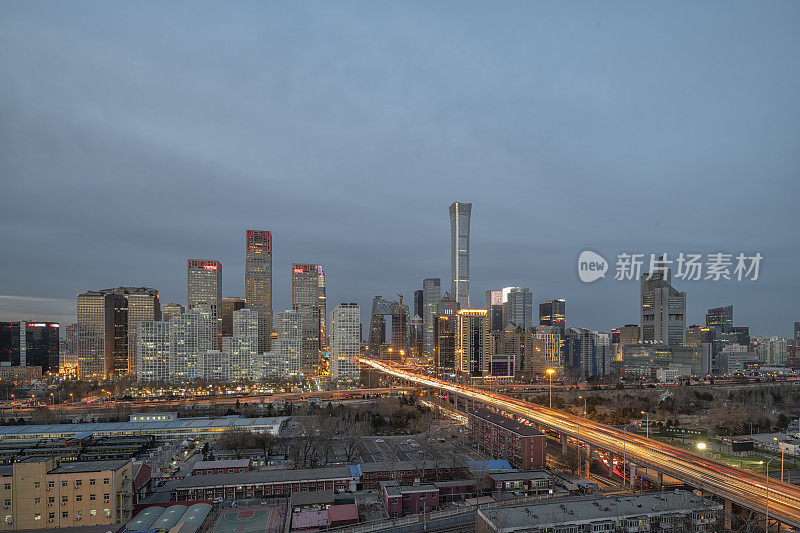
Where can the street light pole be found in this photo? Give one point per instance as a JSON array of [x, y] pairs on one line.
[[766, 506], [550, 372], [647, 427]]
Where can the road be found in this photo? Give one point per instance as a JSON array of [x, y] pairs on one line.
[[745, 488]]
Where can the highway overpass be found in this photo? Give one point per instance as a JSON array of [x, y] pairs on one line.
[[735, 485]]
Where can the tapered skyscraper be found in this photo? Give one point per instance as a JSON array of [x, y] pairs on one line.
[[459, 252], [258, 283]]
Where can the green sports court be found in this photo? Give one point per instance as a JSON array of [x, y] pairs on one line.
[[262, 520]]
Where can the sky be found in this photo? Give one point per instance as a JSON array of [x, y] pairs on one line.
[[136, 135]]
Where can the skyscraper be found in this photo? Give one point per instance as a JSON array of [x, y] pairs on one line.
[[241, 348], [289, 343], [308, 299], [204, 290], [553, 313], [258, 282], [345, 326], [190, 335], [153, 351], [107, 327], [444, 335], [663, 309], [460, 214], [229, 306], [418, 299], [431, 295], [494, 309], [170, 310], [518, 307], [720, 317], [30, 344], [472, 358]]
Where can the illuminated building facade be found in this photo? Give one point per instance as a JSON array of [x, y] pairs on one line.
[[204, 291], [460, 214], [345, 327], [553, 313], [107, 327], [153, 351], [720, 317], [190, 335], [472, 358], [30, 344], [308, 299], [258, 282], [517, 307], [544, 349], [170, 310], [289, 342]]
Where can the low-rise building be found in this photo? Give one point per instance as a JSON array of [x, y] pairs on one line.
[[39, 493], [230, 466], [402, 500], [532, 482], [503, 437], [409, 472], [662, 511]]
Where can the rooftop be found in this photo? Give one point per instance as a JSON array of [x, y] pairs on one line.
[[89, 466], [409, 466], [312, 498], [513, 476], [224, 463], [255, 477], [586, 510], [507, 423]]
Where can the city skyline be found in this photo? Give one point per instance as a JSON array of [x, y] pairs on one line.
[[557, 157]]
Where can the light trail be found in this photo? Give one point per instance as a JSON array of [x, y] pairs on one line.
[[745, 488]]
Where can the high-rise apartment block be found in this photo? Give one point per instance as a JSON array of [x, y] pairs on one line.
[[258, 282], [190, 335], [289, 342], [204, 291], [553, 313], [663, 309], [431, 295], [720, 317], [153, 351], [460, 214], [108, 322], [345, 327], [308, 299]]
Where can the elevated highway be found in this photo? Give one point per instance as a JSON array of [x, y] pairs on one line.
[[736, 485]]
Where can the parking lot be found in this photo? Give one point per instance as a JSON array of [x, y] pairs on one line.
[[415, 447]]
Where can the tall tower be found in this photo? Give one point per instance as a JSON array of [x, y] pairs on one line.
[[663, 309], [258, 282], [289, 343], [431, 295], [460, 214], [308, 299], [204, 290], [472, 359], [345, 343]]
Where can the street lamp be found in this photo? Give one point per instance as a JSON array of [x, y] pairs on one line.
[[550, 372], [766, 506], [782, 448], [647, 426], [584, 405]]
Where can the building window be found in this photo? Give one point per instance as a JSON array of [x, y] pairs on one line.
[[36, 484], [93, 512], [105, 498], [51, 499], [78, 483], [107, 512], [37, 516], [7, 486], [6, 503], [37, 501], [106, 481], [64, 514], [64, 483], [64, 499], [79, 498], [51, 484], [91, 497], [51, 516], [91, 481]]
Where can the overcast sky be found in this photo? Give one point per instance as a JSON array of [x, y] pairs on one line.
[[136, 134]]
